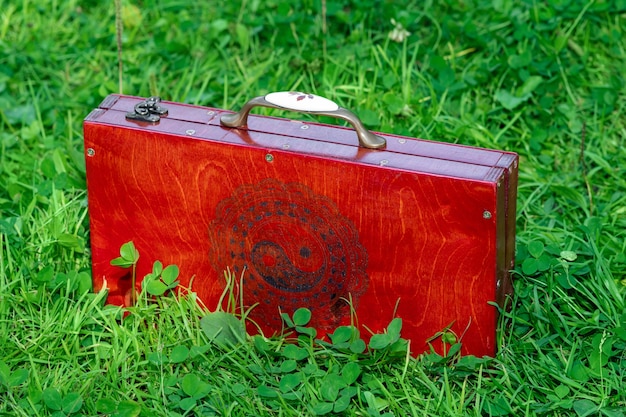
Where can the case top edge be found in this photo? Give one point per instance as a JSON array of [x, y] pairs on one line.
[[509, 160], [496, 175], [109, 101], [94, 114], [400, 145]]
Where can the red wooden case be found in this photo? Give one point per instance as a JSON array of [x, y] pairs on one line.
[[420, 230]]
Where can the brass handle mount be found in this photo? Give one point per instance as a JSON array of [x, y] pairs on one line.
[[305, 103]]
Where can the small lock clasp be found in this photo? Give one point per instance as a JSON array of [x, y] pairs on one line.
[[148, 110]]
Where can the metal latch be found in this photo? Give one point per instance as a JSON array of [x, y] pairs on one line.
[[148, 111]]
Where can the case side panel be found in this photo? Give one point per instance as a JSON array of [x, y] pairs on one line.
[[510, 163], [499, 178], [503, 283]]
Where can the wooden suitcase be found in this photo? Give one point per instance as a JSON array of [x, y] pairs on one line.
[[311, 214]]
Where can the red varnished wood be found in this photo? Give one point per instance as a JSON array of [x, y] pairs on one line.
[[414, 233]]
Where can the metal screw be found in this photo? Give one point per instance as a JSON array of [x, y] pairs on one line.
[[486, 214], [286, 146], [401, 140], [498, 283], [269, 157], [210, 112], [304, 127], [383, 162], [91, 151], [190, 132]]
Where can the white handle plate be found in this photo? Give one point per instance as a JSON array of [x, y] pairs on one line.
[[297, 101]]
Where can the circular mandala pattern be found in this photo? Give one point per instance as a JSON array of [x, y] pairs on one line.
[[296, 248]]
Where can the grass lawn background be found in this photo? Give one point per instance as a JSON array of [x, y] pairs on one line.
[[544, 79]]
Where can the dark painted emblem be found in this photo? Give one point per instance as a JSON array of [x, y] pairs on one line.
[[297, 250]]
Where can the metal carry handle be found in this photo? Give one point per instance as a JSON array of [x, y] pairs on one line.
[[305, 103]]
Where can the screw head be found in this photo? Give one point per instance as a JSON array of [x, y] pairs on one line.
[[304, 127], [486, 214], [91, 151], [190, 132], [269, 157]]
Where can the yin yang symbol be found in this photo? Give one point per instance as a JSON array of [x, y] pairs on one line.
[[295, 249]]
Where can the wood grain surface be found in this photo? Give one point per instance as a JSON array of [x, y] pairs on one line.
[[418, 224]]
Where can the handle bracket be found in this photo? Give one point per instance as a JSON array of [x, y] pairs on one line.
[[309, 104]]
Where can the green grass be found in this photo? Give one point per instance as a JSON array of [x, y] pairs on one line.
[[544, 79]]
